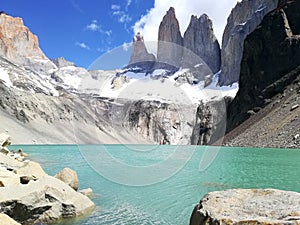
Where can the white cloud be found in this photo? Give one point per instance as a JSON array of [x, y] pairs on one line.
[[82, 45], [94, 26], [217, 10], [115, 7], [126, 46], [122, 16], [128, 4]]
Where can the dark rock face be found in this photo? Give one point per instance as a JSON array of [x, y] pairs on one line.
[[139, 53], [210, 123], [200, 39], [271, 52], [170, 41], [243, 20]]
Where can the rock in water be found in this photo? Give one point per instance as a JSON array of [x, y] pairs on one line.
[[241, 206], [140, 55], [170, 41], [271, 53], [69, 177], [200, 39], [244, 19]]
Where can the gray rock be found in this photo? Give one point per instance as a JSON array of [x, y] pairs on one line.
[[210, 123], [243, 20], [139, 52], [69, 177], [46, 200], [170, 41], [200, 39], [62, 62], [30, 196], [118, 81], [252, 206]]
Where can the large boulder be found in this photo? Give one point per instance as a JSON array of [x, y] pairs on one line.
[[69, 177], [243, 20], [248, 206], [200, 39], [270, 55], [30, 196], [46, 201], [170, 41]]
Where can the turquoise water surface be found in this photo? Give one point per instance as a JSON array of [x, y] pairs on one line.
[[169, 201]]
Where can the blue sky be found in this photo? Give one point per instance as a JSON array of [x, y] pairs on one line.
[[81, 31]]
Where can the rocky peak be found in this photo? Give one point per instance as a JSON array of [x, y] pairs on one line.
[[19, 45], [243, 20], [200, 39], [62, 62], [170, 41], [16, 40], [139, 54]]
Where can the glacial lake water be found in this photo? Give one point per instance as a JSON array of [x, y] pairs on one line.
[[169, 201]]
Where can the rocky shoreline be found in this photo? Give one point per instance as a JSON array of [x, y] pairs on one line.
[[248, 206], [28, 195]]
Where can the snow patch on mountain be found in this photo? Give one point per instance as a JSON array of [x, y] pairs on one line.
[[158, 86], [5, 77]]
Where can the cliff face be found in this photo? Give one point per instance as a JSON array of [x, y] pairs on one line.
[[200, 39], [20, 45], [271, 52], [169, 40], [140, 55], [243, 20]]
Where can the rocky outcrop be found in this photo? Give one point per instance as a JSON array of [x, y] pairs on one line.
[[30, 196], [200, 39], [69, 177], [20, 45], [170, 41], [62, 62], [161, 122], [271, 53], [243, 20], [210, 123], [253, 206], [140, 56]]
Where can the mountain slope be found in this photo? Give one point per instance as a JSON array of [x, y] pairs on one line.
[[269, 80]]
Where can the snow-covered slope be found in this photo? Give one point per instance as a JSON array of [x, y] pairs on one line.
[[137, 85]]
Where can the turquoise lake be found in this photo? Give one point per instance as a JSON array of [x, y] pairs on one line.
[[168, 201]]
